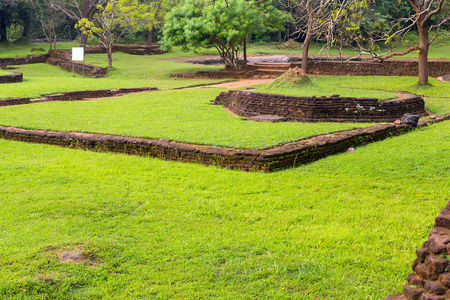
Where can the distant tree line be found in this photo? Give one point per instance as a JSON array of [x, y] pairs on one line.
[[373, 27]]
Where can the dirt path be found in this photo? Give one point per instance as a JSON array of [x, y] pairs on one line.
[[235, 84]]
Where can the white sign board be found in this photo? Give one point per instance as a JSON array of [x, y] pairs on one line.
[[77, 54]]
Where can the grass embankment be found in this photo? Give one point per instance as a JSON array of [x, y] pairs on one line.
[[345, 227], [185, 116], [181, 115], [129, 71]]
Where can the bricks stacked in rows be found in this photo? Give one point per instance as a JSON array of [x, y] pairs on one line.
[[14, 101], [431, 269], [386, 68], [11, 78], [29, 59], [63, 59], [78, 95], [320, 108]]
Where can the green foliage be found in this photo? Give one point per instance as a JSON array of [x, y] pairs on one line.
[[113, 19], [220, 24]]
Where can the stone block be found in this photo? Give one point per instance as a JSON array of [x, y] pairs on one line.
[[433, 287], [443, 220], [412, 293], [415, 280], [437, 264]]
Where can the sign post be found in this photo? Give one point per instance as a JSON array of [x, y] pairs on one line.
[[77, 55]]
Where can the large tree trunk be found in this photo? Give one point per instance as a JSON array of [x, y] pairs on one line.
[[83, 40], [150, 37], [305, 52], [3, 34], [424, 44], [245, 52], [109, 53]]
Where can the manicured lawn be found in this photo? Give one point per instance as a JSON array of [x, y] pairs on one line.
[[129, 71], [180, 115], [437, 96], [345, 227]]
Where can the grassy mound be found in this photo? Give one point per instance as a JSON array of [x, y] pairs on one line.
[[293, 78]]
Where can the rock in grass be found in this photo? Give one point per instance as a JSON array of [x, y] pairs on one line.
[[410, 119]]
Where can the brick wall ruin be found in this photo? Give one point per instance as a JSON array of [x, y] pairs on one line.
[[320, 109], [392, 67], [430, 279], [11, 78], [29, 59], [266, 160], [76, 95], [63, 59]]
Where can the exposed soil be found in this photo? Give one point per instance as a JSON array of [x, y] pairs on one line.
[[235, 84], [445, 78], [78, 255]]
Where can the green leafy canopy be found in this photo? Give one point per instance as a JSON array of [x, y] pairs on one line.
[[194, 23]]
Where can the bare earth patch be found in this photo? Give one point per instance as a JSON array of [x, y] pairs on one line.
[[78, 255], [235, 84]]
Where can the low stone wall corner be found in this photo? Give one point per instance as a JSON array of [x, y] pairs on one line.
[[430, 279], [11, 78], [320, 109]]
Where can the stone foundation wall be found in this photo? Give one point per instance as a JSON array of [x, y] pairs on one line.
[[91, 94], [374, 68], [11, 78], [29, 59], [14, 101], [77, 95], [391, 67], [63, 59], [267, 160], [430, 279], [313, 109], [222, 74]]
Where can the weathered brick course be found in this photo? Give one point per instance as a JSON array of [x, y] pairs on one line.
[[320, 109], [431, 277], [281, 157], [11, 78]]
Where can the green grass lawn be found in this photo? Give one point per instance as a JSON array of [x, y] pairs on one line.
[[128, 71], [345, 227], [181, 115]]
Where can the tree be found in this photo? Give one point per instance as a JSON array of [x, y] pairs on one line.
[[360, 26], [425, 16], [427, 11], [10, 13], [223, 24], [46, 12], [112, 20], [157, 9], [77, 10], [313, 19]]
